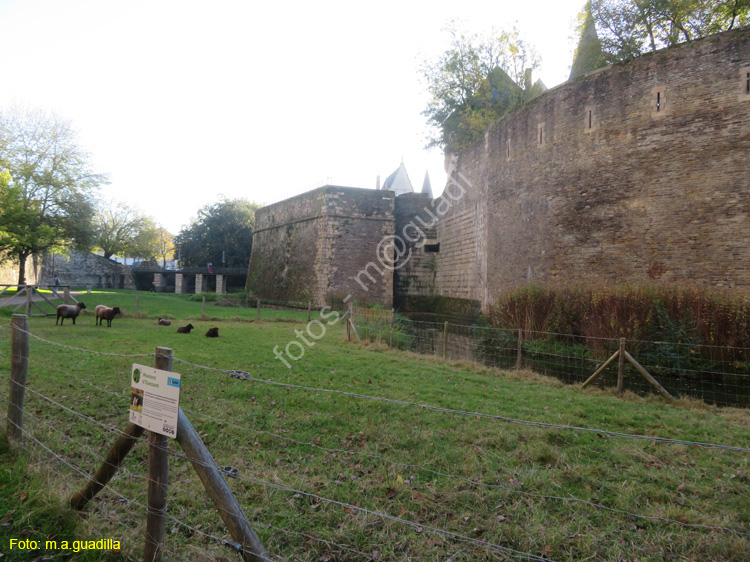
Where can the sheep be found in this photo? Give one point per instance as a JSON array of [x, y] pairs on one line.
[[164, 322], [68, 311], [212, 333], [103, 312], [185, 329]]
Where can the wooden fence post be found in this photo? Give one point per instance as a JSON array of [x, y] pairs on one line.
[[309, 308], [138, 305], [203, 308], [445, 341], [158, 477], [258, 303], [117, 454], [219, 492], [519, 351], [393, 311], [29, 293], [19, 367], [621, 368], [66, 294]]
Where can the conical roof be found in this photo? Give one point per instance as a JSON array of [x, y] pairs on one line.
[[427, 186], [398, 181]]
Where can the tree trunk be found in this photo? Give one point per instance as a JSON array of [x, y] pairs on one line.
[[22, 268]]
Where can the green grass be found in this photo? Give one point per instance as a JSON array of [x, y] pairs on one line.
[[333, 445], [185, 307]]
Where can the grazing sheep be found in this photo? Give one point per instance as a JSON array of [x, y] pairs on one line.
[[185, 329], [163, 322], [212, 333], [68, 311], [103, 312]]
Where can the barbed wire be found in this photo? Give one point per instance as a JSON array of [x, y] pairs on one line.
[[57, 344], [130, 500], [111, 429], [570, 499], [527, 423], [449, 534]]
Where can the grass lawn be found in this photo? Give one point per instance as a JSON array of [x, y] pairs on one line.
[[469, 486]]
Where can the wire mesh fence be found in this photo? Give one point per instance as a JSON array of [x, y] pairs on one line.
[[716, 375]]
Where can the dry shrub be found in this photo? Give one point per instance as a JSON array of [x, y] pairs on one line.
[[711, 317]]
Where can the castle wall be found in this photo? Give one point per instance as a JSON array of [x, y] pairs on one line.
[[286, 263], [462, 231], [416, 228], [316, 246], [636, 172]]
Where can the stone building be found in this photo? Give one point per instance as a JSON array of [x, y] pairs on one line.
[[85, 269], [635, 172]]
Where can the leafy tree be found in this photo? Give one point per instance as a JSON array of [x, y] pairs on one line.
[[124, 231], [628, 28], [222, 229], [164, 245], [46, 204], [474, 82]]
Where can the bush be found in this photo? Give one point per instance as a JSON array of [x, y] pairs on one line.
[[635, 312]]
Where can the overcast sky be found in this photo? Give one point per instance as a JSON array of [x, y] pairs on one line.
[[180, 101]]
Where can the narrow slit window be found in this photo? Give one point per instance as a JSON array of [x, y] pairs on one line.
[[744, 89], [589, 122], [660, 104], [432, 248]]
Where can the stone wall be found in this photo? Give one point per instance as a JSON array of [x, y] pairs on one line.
[[416, 267], [323, 245], [9, 271], [462, 233], [84, 269], [287, 263], [636, 172]]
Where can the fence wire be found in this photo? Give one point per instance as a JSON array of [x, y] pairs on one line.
[[339, 493], [715, 375]]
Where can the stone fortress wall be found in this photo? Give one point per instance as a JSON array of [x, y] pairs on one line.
[[313, 247], [635, 172]]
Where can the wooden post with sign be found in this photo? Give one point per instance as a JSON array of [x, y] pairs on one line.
[[158, 477]]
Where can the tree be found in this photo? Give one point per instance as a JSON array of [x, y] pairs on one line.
[[124, 231], [474, 82], [47, 202], [164, 245], [222, 230], [628, 28]]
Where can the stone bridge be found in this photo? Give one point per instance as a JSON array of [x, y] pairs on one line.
[[201, 275]]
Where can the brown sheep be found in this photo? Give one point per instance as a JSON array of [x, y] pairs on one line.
[[68, 311], [164, 322], [212, 333], [185, 329], [103, 312]]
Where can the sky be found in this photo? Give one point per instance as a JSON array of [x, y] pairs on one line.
[[181, 102]]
